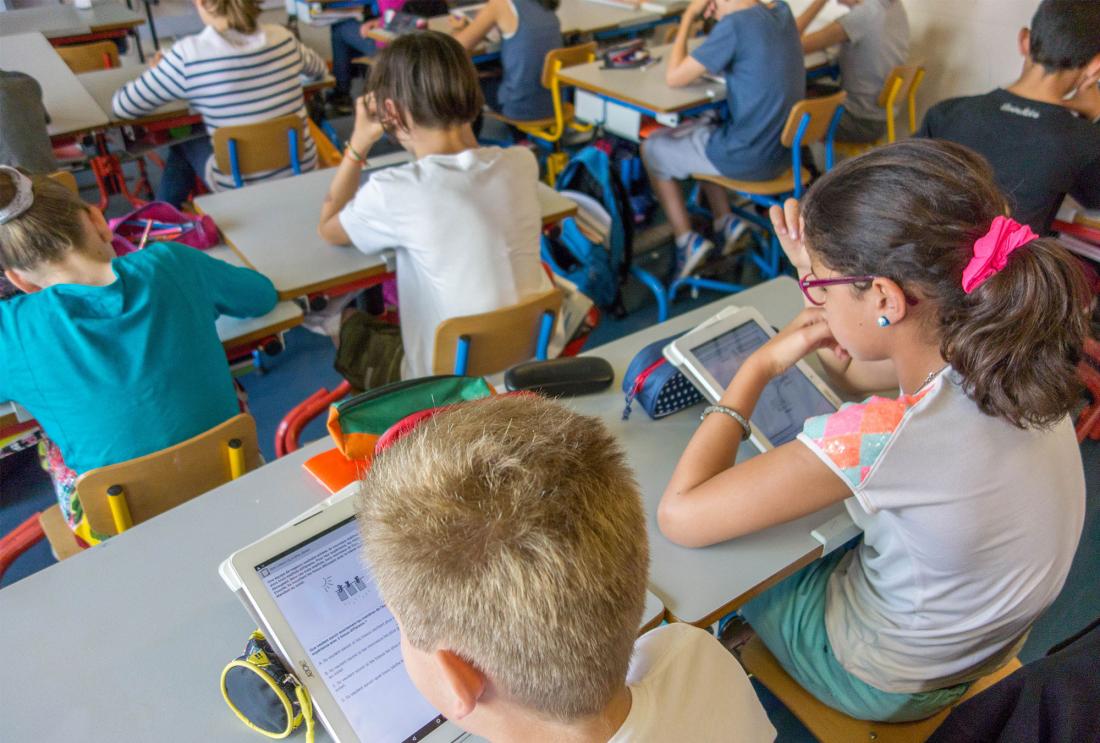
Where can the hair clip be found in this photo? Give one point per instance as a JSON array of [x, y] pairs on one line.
[[24, 195]]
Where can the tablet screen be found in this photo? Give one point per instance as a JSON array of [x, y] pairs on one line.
[[329, 600], [786, 402]]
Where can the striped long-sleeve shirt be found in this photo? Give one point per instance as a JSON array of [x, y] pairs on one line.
[[230, 79]]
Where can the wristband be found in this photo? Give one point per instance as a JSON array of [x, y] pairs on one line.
[[746, 428], [354, 155]]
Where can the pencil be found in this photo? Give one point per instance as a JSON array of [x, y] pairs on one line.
[[145, 235]]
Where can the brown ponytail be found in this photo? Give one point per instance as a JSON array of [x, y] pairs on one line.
[[47, 231], [241, 14], [911, 212]]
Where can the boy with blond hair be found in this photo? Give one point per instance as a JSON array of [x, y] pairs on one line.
[[507, 537]]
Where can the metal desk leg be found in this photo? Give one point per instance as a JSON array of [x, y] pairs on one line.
[[152, 24]]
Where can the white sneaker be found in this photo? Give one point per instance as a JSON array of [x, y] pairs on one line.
[[732, 232], [691, 253]]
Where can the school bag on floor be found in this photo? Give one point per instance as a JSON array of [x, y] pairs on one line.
[[594, 249]]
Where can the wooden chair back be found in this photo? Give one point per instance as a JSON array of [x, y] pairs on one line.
[[559, 59], [262, 146], [820, 110], [498, 339], [66, 179], [99, 55], [667, 33], [139, 489], [827, 724], [902, 82]]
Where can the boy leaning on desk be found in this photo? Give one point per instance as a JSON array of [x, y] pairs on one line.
[[527, 512]]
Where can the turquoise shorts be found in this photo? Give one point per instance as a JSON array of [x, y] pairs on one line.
[[790, 619]]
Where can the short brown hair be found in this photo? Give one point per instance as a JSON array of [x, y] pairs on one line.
[[50, 228], [510, 530], [241, 14], [430, 78], [911, 212]]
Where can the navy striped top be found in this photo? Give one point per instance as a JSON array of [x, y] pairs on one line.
[[229, 79]]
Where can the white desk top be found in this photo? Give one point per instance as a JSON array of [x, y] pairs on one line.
[[156, 624], [102, 84], [645, 87], [51, 20], [273, 227], [701, 585], [72, 110]]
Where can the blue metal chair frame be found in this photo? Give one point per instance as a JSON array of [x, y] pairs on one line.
[[235, 165], [770, 254], [546, 329]]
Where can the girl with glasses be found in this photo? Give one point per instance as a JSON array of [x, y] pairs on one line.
[[968, 484]]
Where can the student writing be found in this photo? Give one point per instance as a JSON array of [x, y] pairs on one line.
[[234, 72]]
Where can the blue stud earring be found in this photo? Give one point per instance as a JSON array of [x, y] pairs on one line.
[[883, 321]]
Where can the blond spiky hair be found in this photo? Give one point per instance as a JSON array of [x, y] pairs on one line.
[[510, 531]]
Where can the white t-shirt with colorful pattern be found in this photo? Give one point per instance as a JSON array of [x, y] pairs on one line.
[[970, 526]]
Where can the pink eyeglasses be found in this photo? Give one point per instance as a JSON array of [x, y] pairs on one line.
[[812, 286]]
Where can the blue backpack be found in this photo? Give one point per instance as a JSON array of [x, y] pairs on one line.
[[599, 270]]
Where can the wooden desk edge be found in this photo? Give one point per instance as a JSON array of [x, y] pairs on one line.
[[555, 217], [653, 623], [583, 85], [753, 592]]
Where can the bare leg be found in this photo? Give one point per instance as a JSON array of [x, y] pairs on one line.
[[671, 199], [718, 199]]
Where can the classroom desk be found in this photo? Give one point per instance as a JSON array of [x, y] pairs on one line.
[[273, 227], [619, 99], [48, 20], [72, 110], [701, 585], [132, 635], [101, 85]]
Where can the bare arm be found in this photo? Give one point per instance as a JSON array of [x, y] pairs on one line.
[[368, 130], [683, 69], [806, 17], [831, 35], [471, 33], [710, 498]]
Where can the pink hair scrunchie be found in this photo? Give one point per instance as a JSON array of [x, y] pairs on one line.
[[991, 251]]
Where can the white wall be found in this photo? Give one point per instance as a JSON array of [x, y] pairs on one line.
[[966, 46]]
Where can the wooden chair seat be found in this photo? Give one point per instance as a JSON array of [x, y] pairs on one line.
[[829, 725], [782, 184], [58, 534], [533, 125]]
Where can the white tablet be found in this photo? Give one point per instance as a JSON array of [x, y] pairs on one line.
[[712, 353], [308, 589]]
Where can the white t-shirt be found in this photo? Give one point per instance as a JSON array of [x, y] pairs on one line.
[[685, 686], [969, 528], [878, 41], [466, 230]]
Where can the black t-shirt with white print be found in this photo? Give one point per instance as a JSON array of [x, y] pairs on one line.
[[1039, 151]]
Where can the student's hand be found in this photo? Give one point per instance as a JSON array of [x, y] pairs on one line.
[[805, 334], [156, 58], [1086, 101], [699, 8], [368, 125], [789, 226], [369, 26]]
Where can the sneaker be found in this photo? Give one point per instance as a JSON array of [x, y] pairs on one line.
[[730, 234], [734, 634], [690, 252], [339, 104]]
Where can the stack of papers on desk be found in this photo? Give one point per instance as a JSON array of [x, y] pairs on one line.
[[664, 7]]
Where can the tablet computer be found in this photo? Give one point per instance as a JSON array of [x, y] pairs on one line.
[[308, 589], [711, 354]]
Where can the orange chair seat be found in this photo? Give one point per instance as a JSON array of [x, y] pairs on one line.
[[829, 725], [531, 126], [782, 184]]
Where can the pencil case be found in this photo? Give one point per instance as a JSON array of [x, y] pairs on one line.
[[165, 223], [565, 377], [263, 694], [626, 56], [655, 384]]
